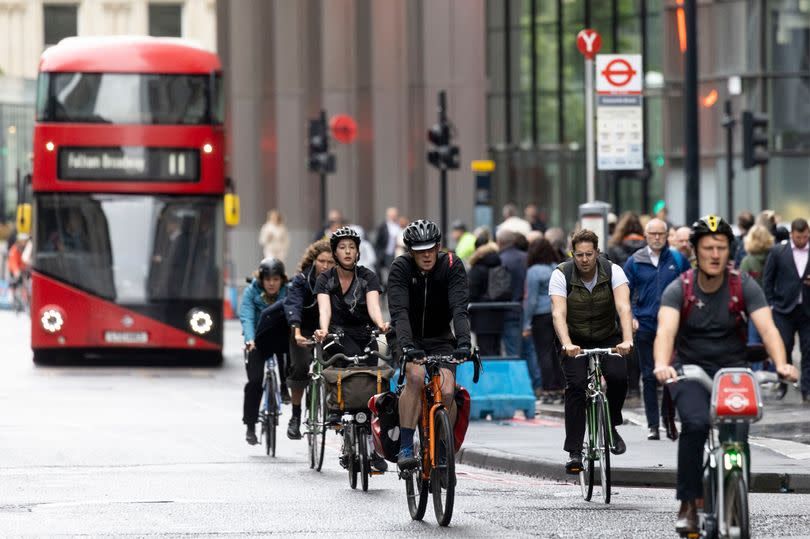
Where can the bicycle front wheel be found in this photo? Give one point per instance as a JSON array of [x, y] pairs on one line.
[[443, 474], [603, 448], [362, 453], [270, 419], [736, 514], [320, 437], [586, 475], [351, 456]]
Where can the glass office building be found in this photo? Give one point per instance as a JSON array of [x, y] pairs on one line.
[[535, 103]]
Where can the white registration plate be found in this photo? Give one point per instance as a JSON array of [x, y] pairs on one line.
[[126, 337]]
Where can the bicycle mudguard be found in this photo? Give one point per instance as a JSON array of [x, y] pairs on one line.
[[736, 397]]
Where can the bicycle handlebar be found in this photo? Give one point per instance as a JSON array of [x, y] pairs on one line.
[[442, 360], [353, 359], [697, 374], [597, 351]]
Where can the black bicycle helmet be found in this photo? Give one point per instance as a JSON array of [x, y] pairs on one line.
[[710, 225], [270, 267], [344, 233], [421, 235]]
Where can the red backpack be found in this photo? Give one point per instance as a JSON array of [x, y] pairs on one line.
[[736, 302]]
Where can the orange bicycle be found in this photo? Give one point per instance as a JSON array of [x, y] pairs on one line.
[[436, 472]]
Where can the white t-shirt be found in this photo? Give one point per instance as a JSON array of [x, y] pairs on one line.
[[556, 286]]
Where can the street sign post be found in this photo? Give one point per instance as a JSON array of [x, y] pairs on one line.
[[589, 42], [619, 116]]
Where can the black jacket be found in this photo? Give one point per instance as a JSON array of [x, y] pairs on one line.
[[782, 283], [424, 305], [301, 303], [479, 272], [618, 254]]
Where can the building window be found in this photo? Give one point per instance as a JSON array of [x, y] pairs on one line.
[[165, 20], [60, 22]]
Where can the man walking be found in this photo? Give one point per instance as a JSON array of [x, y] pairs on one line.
[[787, 287], [649, 270]]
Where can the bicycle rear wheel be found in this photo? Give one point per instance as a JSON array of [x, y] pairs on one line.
[[270, 419], [416, 488], [586, 475], [603, 448], [362, 453], [443, 474], [736, 510]]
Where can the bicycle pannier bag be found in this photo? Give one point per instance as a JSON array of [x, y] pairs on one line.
[[350, 388], [385, 424], [462, 418]]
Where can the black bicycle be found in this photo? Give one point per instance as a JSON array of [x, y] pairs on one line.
[[355, 425]]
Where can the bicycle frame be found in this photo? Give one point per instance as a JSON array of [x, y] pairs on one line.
[[595, 396], [428, 420]]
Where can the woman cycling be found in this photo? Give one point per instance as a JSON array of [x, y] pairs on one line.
[[266, 288], [349, 302], [348, 297], [301, 309]]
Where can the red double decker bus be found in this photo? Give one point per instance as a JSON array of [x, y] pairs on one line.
[[128, 184]]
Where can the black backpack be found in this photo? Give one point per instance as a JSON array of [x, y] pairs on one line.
[[499, 284]]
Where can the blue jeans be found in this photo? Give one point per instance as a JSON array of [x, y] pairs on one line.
[[516, 345], [646, 363]]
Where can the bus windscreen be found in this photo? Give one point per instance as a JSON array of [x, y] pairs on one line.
[[128, 98]]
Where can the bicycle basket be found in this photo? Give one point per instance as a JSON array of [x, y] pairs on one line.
[[350, 388], [736, 397]]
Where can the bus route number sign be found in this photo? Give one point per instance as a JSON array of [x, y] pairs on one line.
[[129, 163]]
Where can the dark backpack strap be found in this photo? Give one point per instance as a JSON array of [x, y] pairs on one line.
[[736, 303], [688, 294]]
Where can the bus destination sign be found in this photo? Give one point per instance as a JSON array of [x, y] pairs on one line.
[[129, 163]]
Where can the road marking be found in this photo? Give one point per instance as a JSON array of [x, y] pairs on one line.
[[787, 448]]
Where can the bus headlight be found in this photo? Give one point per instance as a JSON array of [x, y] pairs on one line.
[[200, 322], [52, 320]]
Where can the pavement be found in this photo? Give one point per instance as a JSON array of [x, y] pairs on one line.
[[534, 447]]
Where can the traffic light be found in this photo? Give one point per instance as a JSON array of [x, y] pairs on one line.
[[444, 155], [755, 139], [320, 160]]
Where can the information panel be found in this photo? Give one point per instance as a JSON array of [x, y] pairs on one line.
[[129, 163]]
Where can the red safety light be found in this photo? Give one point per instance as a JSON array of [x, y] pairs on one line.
[[681, 25]]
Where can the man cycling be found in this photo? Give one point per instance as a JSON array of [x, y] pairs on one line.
[[710, 336], [301, 310], [586, 295], [427, 290]]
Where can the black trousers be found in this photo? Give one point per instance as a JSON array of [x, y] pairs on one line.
[[788, 324], [692, 401], [575, 369], [545, 346], [254, 366], [300, 359], [633, 371]]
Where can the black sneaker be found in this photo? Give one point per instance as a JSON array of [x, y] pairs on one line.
[[619, 446], [378, 463], [285, 395], [344, 461], [333, 419], [250, 435], [653, 434], [294, 428], [574, 464]]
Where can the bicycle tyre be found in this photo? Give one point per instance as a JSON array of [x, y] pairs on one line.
[[586, 475], [443, 476], [603, 444], [736, 509], [269, 416], [417, 489], [310, 423], [365, 465], [351, 457], [320, 436]]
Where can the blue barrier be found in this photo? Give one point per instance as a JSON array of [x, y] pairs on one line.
[[503, 388]]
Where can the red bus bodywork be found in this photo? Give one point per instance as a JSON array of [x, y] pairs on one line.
[[87, 318]]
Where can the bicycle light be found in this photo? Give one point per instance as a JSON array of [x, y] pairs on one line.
[[200, 322], [360, 417]]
